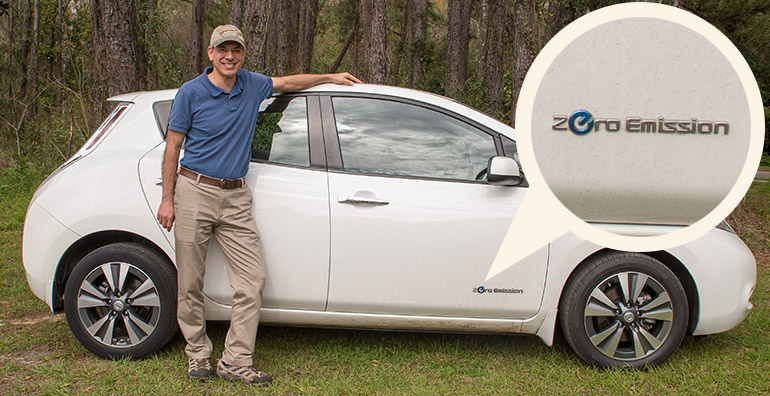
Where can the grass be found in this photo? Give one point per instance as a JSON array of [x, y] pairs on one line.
[[39, 355]]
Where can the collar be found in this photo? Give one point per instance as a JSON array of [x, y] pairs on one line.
[[215, 90]]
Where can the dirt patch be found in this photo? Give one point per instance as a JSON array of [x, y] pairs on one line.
[[18, 374], [32, 319], [26, 358]]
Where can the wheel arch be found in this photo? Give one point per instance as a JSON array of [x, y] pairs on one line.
[[685, 278], [670, 261], [86, 245]]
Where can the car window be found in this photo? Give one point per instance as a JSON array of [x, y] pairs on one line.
[[281, 134], [162, 109], [394, 138], [509, 147]]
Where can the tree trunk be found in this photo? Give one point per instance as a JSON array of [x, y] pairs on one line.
[[33, 72], [531, 30], [376, 40], [10, 49], [278, 42], [236, 13], [275, 52], [152, 6], [492, 66], [196, 38], [458, 38], [26, 26], [58, 67], [416, 40], [395, 74], [307, 25], [559, 15], [116, 46], [283, 36], [522, 57], [255, 29], [481, 17]]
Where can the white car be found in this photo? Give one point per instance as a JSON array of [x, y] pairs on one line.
[[379, 207]]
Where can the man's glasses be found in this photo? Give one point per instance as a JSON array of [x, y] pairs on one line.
[[235, 51]]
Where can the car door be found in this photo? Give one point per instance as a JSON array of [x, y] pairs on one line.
[[413, 229], [287, 176]]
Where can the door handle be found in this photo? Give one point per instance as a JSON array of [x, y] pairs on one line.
[[355, 200]]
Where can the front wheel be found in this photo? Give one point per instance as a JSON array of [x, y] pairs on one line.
[[624, 309], [120, 301]]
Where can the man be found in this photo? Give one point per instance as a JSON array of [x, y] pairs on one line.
[[217, 112]]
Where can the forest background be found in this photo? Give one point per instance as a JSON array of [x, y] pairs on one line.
[[63, 58]]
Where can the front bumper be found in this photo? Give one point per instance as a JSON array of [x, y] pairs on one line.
[[725, 275]]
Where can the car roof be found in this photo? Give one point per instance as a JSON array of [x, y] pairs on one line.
[[357, 88], [370, 89]]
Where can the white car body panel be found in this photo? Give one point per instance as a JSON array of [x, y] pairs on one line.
[[97, 203], [385, 256]]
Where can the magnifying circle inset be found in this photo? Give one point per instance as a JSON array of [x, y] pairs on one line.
[[584, 128]]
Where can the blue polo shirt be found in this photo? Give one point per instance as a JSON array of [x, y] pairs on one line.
[[219, 125]]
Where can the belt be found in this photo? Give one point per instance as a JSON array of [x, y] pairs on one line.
[[227, 184]]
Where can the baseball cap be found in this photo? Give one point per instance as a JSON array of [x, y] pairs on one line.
[[224, 33]]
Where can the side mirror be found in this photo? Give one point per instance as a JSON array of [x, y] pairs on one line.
[[503, 171]]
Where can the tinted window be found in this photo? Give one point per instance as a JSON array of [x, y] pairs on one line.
[[281, 135], [162, 110], [509, 147], [386, 137]]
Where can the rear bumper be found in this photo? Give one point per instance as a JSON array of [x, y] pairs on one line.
[[45, 241]]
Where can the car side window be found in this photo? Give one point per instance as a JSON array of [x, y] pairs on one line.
[[393, 138], [162, 109], [509, 147], [281, 134]]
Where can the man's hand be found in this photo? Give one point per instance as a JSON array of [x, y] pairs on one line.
[[174, 141], [166, 213], [344, 79], [298, 82]]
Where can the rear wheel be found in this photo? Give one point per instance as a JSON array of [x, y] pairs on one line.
[[624, 309], [120, 300]]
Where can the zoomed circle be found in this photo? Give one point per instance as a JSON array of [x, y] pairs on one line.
[[650, 73]]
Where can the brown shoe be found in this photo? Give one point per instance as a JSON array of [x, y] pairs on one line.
[[198, 369], [245, 374]]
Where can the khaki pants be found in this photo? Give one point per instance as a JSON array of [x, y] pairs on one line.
[[202, 210]]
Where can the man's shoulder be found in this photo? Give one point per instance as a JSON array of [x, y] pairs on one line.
[[250, 80]]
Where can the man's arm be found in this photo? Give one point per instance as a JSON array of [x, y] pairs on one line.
[[174, 141], [299, 82]]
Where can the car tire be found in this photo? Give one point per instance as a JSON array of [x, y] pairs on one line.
[[624, 310], [120, 301]]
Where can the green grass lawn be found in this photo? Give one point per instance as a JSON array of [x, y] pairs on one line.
[[39, 355]]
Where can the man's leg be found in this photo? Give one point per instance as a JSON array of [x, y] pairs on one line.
[[238, 237], [195, 210]]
